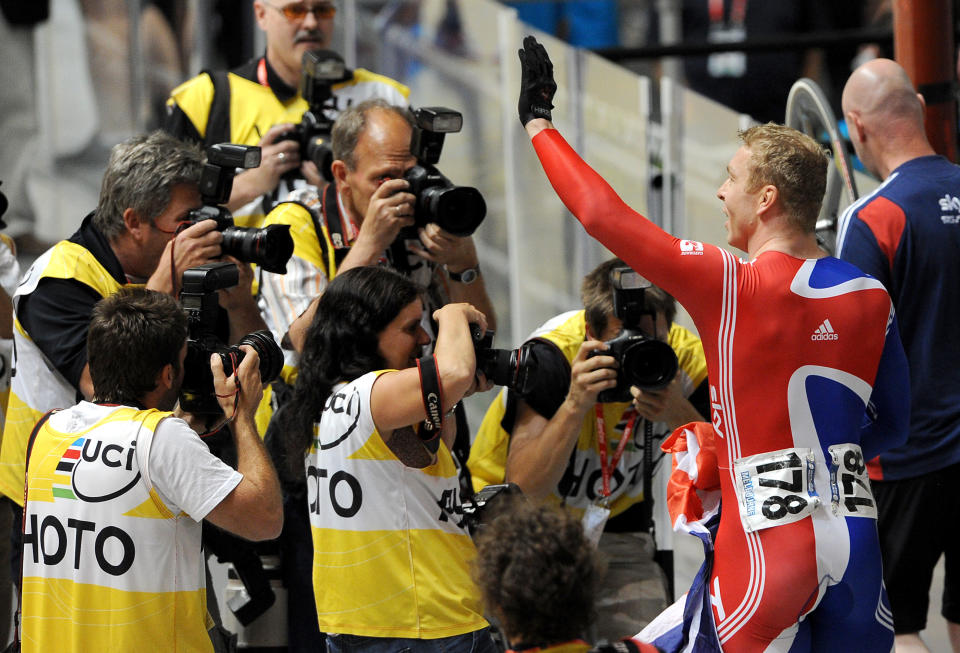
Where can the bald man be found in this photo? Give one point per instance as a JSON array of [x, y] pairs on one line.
[[907, 235]]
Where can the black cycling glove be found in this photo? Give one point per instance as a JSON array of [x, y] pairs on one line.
[[536, 82]]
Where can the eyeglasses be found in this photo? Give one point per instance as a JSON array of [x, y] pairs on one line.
[[297, 11]]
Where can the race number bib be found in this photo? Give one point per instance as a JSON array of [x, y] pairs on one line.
[[775, 488], [849, 484]]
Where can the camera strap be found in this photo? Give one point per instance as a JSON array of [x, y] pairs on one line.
[[432, 393], [218, 119], [333, 226], [606, 466]]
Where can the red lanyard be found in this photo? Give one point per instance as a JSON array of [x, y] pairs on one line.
[[605, 468], [262, 71], [354, 229], [738, 12]]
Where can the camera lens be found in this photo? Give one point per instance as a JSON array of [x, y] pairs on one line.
[[271, 356], [512, 368], [270, 247], [649, 364], [457, 209]]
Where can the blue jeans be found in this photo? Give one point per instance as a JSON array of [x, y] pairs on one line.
[[479, 641]]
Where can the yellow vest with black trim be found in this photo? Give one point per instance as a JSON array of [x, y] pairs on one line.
[[581, 483], [391, 553], [254, 108], [37, 386], [106, 566]]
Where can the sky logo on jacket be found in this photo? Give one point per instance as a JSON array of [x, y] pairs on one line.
[[950, 208]]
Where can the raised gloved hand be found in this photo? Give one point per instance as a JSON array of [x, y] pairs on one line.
[[536, 82]]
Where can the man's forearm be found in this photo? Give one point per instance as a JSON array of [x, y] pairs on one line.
[[244, 320], [362, 252], [537, 460], [684, 414], [254, 463], [297, 333], [245, 189]]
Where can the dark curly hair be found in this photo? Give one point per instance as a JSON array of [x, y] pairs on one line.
[[342, 344], [538, 573]]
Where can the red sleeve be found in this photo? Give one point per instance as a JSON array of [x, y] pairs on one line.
[[886, 220], [690, 271]]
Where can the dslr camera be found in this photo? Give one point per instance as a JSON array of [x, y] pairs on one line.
[[269, 247], [321, 70], [199, 301], [457, 209], [513, 368], [484, 506], [642, 361]]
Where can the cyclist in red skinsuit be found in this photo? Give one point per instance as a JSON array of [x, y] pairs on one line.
[[798, 345]]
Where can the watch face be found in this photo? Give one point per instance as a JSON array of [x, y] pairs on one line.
[[468, 276]]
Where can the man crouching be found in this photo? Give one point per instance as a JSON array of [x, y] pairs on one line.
[[117, 487]]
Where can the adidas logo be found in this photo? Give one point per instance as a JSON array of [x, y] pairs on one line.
[[825, 332]]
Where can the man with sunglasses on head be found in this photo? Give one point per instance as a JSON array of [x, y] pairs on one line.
[[258, 102]]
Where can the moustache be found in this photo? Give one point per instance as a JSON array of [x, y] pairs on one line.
[[309, 36]]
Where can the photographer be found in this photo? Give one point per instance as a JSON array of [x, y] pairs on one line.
[[148, 189], [359, 217], [258, 102], [391, 550], [549, 440], [139, 481], [539, 575], [343, 225]]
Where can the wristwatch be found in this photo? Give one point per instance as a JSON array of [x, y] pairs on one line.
[[467, 276]]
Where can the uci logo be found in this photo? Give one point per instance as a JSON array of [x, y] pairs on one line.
[[103, 471], [348, 405]]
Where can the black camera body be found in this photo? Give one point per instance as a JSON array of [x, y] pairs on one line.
[[199, 301], [484, 506], [512, 368], [645, 362], [457, 209], [320, 71], [270, 247]]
